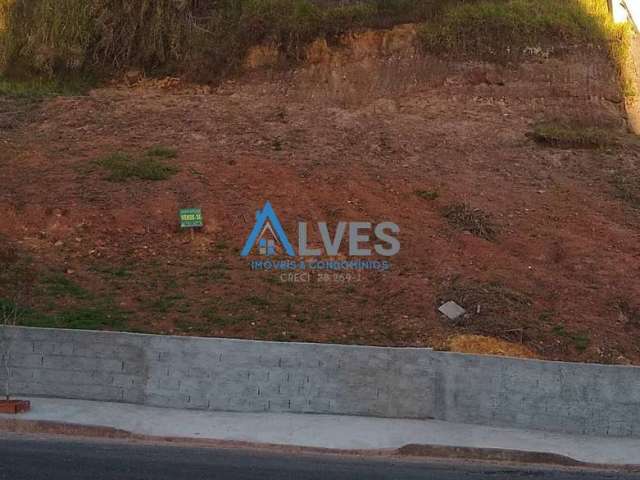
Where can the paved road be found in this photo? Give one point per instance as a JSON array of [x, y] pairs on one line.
[[31, 458]]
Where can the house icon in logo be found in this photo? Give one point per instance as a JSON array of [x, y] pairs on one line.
[[268, 234]]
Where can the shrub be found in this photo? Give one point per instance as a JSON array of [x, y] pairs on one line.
[[572, 136]]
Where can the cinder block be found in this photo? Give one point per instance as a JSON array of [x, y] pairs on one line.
[[69, 377], [26, 360], [127, 381], [101, 350], [59, 362]]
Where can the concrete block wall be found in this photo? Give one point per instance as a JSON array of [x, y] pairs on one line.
[[251, 376]]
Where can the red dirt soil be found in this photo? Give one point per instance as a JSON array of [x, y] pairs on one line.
[[341, 140]]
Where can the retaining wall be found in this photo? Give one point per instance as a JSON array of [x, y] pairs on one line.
[[250, 376]]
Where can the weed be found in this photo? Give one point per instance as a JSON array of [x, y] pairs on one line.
[[118, 272], [257, 301], [427, 194], [572, 136], [38, 88], [91, 318], [97, 316], [165, 303], [243, 318], [215, 272], [123, 167], [580, 340], [473, 220], [559, 331], [60, 286], [162, 152], [215, 319], [191, 327]]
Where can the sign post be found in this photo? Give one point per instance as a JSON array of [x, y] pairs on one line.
[[191, 218]]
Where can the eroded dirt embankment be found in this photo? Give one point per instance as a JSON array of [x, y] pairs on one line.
[[360, 131]]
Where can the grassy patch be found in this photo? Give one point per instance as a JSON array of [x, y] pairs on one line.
[[54, 37], [57, 38], [37, 88], [427, 194], [216, 319], [509, 30], [165, 303], [563, 135], [91, 318], [215, 272], [123, 167], [257, 301], [473, 220], [162, 152], [60, 286], [580, 341], [103, 315], [117, 272]]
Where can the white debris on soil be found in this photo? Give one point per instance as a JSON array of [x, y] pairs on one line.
[[451, 310]]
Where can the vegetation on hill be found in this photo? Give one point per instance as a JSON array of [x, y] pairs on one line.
[[207, 39], [508, 30], [203, 37]]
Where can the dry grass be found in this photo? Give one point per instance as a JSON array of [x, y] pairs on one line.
[[493, 309], [464, 217], [480, 344]]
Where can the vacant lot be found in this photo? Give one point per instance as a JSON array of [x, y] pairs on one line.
[[516, 189]]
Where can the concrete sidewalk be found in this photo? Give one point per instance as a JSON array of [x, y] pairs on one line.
[[325, 431]]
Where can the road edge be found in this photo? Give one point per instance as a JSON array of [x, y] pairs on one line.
[[409, 451]]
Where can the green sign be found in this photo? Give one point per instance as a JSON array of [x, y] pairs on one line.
[[191, 218]]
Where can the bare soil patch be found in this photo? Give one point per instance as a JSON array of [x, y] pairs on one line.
[[349, 137]]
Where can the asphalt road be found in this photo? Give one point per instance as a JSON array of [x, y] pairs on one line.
[[32, 458]]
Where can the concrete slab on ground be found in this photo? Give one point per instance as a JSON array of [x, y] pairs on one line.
[[326, 431]]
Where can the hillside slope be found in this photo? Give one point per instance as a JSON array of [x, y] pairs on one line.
[[369, 129]]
